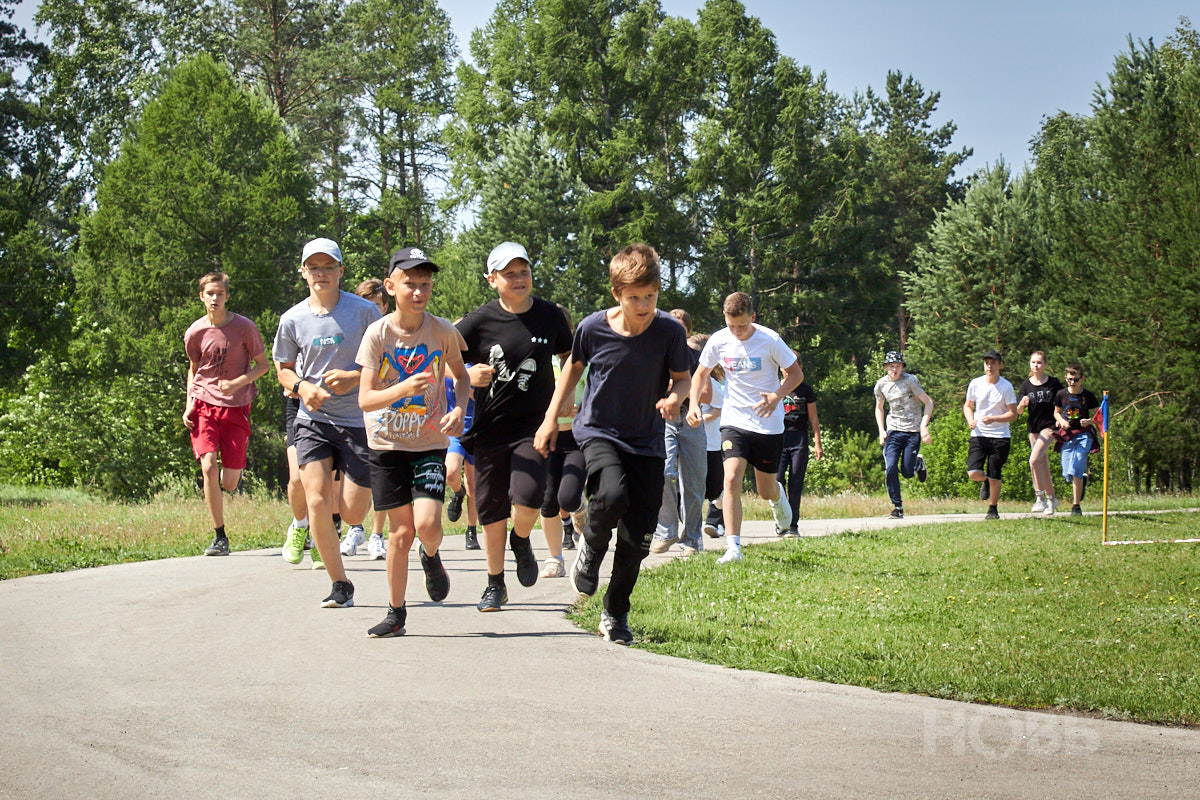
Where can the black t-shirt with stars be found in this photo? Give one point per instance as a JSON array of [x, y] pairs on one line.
[[521, 348]]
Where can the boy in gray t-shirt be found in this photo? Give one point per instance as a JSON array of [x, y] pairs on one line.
[[906, 426], [315, 353]]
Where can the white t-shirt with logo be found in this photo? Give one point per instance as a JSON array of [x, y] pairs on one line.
[[751, 368], [991, 399]]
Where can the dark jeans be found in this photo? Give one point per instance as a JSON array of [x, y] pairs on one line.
[[900, 458], [624, 492], [794, 462]]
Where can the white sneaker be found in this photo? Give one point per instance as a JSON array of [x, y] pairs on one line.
[[782, 510], [731, 554], [553, 568], [376, 547], [1039, 506], [353, 538], [710, 530], [1051, 507]]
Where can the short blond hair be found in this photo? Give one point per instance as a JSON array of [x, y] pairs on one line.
[[214, 277], [738, 304], [637, 264]]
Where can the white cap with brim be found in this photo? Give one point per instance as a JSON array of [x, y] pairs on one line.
[[504, 253], [327, 246]]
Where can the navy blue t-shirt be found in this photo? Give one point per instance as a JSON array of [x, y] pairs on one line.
[[626, 376]]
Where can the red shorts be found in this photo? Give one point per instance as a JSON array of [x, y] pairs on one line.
[[221, 429]]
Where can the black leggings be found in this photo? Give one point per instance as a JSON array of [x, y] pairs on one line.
[[624, 492], [793, 461], [565, 476]]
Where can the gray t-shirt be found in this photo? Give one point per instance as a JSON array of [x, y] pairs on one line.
[[904, 409], [321, 342]]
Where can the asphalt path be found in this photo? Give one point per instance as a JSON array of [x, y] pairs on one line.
[[223, 678]]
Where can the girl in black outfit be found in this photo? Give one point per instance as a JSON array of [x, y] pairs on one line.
[[1037, 395]]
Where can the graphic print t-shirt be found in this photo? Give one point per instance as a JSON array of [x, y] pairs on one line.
[[795, 415], [904, 410], [1076, 407], [751, 368], [321, 342], [222, 353], [626, 376], [412, 424], [1041, 403], [520, 347]]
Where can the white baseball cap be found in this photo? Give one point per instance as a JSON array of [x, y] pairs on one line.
[[327, 246], [504, 253]]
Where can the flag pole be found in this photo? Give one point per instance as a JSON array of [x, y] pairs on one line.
[[1104, 424]]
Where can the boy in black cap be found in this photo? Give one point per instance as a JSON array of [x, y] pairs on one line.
[[902, 433], [404, 358], [991, 404]]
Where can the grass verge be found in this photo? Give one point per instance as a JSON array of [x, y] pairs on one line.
[[1019, 613]]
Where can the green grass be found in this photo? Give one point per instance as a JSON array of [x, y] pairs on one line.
[[55, 530], [1025, 613]]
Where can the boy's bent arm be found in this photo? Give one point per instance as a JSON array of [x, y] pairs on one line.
[[372, 396], [310, 394], [794, 377], [880, 421], [681, 384], [261, 365], [699, 380], [188, 404], [927, 402], [547, 432]]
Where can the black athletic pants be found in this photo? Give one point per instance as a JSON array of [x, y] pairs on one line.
[[624, 492]]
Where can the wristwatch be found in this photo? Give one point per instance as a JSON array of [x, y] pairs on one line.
[[296, 388]]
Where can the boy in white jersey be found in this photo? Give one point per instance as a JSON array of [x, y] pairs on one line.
[[991, 404], [752, 417]]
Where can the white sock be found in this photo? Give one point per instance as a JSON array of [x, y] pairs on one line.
[[733, 542], [300, 523], [1041, 494]]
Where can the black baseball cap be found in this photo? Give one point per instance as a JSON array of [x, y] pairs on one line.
[[408, 257]]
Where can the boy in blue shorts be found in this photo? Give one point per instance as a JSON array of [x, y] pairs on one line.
[[752, 417], [404, 359], [637, 364]]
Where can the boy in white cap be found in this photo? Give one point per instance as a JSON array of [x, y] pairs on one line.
[[752, 417], [904, 429], [511, 341], [221, 346], [315, 350]]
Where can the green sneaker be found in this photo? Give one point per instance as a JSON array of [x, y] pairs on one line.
[[315, 554], [293, 545]]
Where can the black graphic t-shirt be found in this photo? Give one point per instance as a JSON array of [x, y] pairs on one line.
[[521, 348], [795, 415], [1041, 403], [1076, 407]]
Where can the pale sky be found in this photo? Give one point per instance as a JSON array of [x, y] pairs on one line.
[[1000, 66]]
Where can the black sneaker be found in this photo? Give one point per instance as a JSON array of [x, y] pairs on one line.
[[437, 582], [897, 513], [615, 629], [471, 541], [454, 504], [494, 596], [392, 625], [985, 489], [585, 572], [992, 513], [342, 595], [219, 547], [568, 534], [527, 568], [922, 472], [1076, 511]]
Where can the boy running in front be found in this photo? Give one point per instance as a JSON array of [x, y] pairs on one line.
[[404, 358], [752, 417], [511, 342], [633, 354], [220, 347]]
